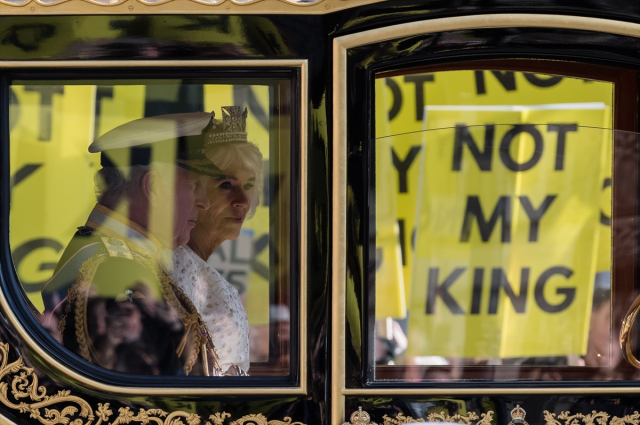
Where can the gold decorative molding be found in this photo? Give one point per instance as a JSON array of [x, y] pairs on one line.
[[484, 419], [136, 7], [27, 397], [599, 418]]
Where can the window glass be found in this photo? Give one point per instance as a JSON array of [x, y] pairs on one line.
[[493, 226], [150, 242]]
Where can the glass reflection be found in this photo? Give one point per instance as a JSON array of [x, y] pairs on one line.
[[167, 276], [511, 248]]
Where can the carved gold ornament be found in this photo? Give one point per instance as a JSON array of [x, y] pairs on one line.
[[517, 416], [625, 330], [360, 417], [259, 419], [600, 418], [63, 408], [483, 419]]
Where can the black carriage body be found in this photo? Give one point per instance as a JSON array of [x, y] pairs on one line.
[[333, 376]]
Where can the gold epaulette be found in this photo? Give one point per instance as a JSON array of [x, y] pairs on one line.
[[117, 247]]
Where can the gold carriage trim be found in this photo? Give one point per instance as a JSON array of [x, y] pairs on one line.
[[599, 418], [469, 418], [19, 391], [361, 417], [127, 7]]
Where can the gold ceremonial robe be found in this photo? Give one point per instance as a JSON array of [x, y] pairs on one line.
[[118, 308]]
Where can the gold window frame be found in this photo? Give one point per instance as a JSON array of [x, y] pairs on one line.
[[339, 192], [301, 388]]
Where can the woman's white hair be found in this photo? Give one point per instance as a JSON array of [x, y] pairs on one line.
[[244, 156]]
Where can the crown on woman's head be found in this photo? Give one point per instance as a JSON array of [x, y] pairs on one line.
[[231, 130]]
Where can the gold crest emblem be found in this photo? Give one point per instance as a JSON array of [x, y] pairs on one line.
[[517, 416]]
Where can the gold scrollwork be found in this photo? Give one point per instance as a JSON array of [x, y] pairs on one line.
[[483, 419], [24, 385], [400, 419], [253, 419], [600, 418]]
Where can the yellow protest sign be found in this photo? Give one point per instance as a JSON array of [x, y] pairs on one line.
[[464, 297], [390, 297], [53, 191], [506, 244]]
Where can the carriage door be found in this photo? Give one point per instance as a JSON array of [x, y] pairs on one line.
[[485, 233]]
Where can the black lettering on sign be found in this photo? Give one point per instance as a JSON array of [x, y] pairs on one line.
[[562, 130], [505, 144], [102, 92], [14, 109], [463, 137], [476, 297], [236, 253], [535, 214], [259, 245], [27, 248], [506, 78], [434, 291], [401, 241], [605, 219], [402, 165], [474, 210], [270, 185], [46, 100], [569, 293], [25, 171], [418, 80], [542, 82], [239, 284], [498, 281], [163, 99], [396, 93]]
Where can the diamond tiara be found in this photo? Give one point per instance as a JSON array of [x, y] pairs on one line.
[[233, 128]]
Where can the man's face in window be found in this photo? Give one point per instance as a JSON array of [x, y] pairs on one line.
[[190, 197], [176, 200]]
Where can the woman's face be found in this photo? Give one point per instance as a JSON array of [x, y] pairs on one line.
[[230, 199]]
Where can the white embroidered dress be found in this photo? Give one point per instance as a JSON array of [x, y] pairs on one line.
[[219, 305]]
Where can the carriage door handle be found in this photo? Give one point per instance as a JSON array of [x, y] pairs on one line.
[[627, 323]]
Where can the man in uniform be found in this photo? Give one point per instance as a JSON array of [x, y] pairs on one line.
[[111, 292]]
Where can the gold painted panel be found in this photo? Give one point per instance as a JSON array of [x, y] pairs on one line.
[[20, 392]]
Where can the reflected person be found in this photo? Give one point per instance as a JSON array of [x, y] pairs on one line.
[[233, 197], [117, 304]]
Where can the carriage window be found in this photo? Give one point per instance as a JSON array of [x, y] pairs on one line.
[[493, 197], [150, 221]]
